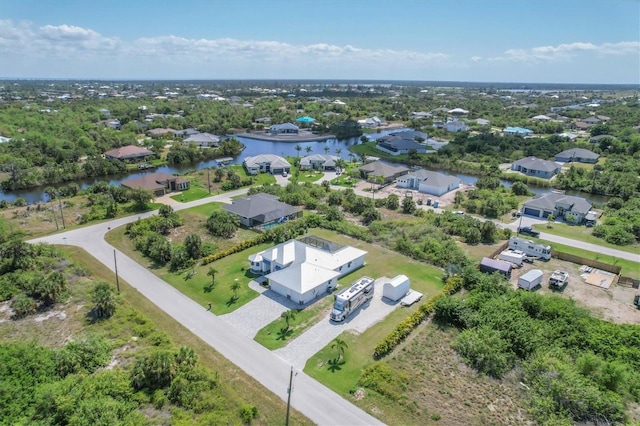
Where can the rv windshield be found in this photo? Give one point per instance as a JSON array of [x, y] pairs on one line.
[[338, 307]]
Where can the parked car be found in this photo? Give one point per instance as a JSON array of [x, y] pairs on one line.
[[527, 230], [284, 174]]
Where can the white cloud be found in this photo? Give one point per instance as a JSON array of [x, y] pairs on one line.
[[568, 51], [476, 58]]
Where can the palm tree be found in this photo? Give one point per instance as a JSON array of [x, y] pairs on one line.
[[298, 148], [308, 149], [104, 300], [288, 316], [340, 345], [235, 287], [338, 151], [327, 149], [212, 273]]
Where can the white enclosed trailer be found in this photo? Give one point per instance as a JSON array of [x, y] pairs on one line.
[[512, 256], [396, 288], [531, 279]]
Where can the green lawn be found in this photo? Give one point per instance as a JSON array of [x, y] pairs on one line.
[[260, 178], [306, 175], [582, 233], [272, 335], [191, 194], [205, 209]]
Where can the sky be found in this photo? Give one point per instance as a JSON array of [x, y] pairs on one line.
[[534, 41]]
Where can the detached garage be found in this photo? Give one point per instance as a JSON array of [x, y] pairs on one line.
[[531, 279]]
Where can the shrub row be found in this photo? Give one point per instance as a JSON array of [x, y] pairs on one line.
[[262, 238], [406, 326]]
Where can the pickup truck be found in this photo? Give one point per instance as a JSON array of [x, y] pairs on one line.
[[527, 230]]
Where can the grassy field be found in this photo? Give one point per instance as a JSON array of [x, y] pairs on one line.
[[582, 233], [193, 193]]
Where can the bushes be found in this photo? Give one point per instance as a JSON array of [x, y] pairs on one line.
[[405, 327], [235, 249], [384, 380]]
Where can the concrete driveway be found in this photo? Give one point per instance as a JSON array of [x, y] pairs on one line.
[[298, 351]]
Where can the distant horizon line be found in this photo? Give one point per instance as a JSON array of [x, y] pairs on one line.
[[350, 80]]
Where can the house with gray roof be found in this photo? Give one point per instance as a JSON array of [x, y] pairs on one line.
[[262, 209], [597, 139], [571, 209], [537, 167], [284, 129], [319, 162], [578, 155], [428, 182], [266, 163], [399, 144], [387, 171], [203, 140]]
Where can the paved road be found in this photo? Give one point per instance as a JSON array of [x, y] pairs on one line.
[[317, 402]]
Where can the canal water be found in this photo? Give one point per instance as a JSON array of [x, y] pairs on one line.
[[255, 147]]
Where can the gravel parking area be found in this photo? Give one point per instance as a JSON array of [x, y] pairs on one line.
[[298, 351]]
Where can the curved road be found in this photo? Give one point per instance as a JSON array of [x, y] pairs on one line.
[[314, 400]]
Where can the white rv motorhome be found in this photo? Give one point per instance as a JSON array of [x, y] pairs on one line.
[[350, 299], [530, 248]]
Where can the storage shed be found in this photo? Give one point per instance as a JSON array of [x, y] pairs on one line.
[[531, 279], [490, 266], [396, 288]]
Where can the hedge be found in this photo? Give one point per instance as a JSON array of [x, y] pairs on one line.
[[406, 326], [262, 238]]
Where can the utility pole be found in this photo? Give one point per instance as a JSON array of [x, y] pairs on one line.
[[115, 261], [209, 178], [289, 390], [55, 219], [61, 214]]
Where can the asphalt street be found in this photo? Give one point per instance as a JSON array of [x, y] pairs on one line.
[[320, 404]]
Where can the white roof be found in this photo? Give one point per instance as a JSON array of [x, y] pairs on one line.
[[304, 266], [532, 275]]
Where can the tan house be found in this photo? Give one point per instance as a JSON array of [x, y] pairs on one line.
[[129, 154], [158, 183]]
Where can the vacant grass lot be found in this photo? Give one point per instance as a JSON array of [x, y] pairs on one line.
[[432, 385]]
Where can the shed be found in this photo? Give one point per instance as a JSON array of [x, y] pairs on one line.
[[489, 265], [531, 279], [396, 288]]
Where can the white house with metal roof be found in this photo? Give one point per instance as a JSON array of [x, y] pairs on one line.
[[266, 163], [303, 270], [429, 182]]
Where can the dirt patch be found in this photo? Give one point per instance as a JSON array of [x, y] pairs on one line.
[[612, 304]]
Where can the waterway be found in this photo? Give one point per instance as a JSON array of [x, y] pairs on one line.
[[255, 147]]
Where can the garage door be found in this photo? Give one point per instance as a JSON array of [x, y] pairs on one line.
[[531, 212]]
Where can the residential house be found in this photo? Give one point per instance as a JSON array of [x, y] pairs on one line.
[[456, 126], [371, 122], [261, 209], [398, 145], [266, 163], [593, 120], [579, 155], [161, 132], [571, 209], [158, 183], [418, 115], [263, 120], [537, 167], [580, 125], [428, 182], [388, 172], [319, 162], [517, 131], [483, 122], [203, 140], [129, 153], [303, 270], [284, 129], [458, 111], [597, 139], [541, 118]]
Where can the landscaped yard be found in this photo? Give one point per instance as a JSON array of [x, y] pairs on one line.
[[191, 194]]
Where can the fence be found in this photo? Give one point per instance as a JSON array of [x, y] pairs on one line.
[[499, 250], [589, 262], [629, 282]]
